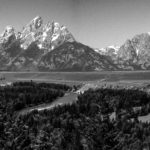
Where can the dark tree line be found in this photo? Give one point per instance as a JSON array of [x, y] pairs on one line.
[[80, 126], [25, 94]]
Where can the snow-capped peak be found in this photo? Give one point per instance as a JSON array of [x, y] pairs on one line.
[[105, 51], [56, 24], [37, 18], [114, 47], [8, 35], [101, 50], [9, 30], [48, 36], [36, 22]]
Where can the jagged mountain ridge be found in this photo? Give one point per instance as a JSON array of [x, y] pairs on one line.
[[134, 54], [47, 47], [48, 36], [51, 47]]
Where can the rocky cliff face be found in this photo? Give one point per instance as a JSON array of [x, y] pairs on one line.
[[48, 36], [50, 46], [45, 47], [134, 54]]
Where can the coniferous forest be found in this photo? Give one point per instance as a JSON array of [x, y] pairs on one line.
[[86, 124]]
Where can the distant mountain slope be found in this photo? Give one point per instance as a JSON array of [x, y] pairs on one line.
[[51, 47], [74, 57], [135, 53], [47, 47]]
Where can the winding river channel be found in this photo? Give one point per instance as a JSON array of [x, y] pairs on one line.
[[68, 98]]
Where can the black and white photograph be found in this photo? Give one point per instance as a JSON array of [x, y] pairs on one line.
[[74, 74]]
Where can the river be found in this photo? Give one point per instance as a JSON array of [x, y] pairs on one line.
[[69, 98]]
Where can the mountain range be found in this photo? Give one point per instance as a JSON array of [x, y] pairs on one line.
[[52, 47]]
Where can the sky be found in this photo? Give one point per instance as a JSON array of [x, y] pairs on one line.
[[97, 23]]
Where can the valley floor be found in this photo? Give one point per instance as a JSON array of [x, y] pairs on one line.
[[77, 77], [102, 117], [130, 82], [116, 80]]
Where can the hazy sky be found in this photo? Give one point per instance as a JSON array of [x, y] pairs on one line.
[[97, 23]]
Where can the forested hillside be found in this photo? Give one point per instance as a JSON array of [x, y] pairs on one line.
[[84, 125]]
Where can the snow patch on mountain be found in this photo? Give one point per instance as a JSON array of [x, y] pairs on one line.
[[115, 48], [47, 36], [106, 51]]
